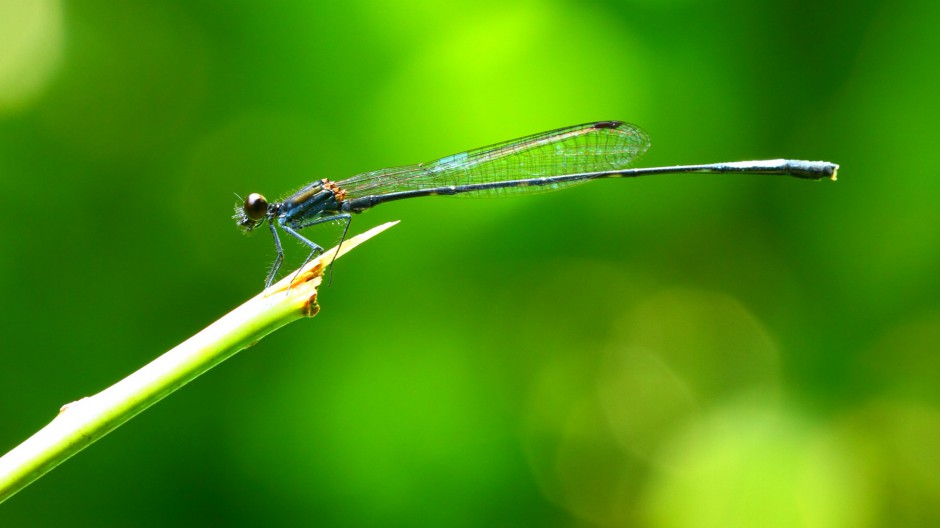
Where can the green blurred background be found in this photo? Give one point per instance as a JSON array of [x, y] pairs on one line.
[[668, 352]]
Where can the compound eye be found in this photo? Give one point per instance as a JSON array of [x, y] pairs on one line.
[[255, 206]]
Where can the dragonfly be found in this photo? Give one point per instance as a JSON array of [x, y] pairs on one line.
[[542, 162]]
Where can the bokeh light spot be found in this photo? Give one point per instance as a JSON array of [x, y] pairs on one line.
[[30, 50], [756, 463]]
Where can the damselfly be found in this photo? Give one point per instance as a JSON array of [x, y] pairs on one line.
[[537, 163]]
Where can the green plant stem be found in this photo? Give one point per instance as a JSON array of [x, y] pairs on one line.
[[81, 423]]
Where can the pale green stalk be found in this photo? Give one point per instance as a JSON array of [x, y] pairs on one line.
[[81, 423]]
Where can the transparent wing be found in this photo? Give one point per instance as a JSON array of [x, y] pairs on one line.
[[592, 147]]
